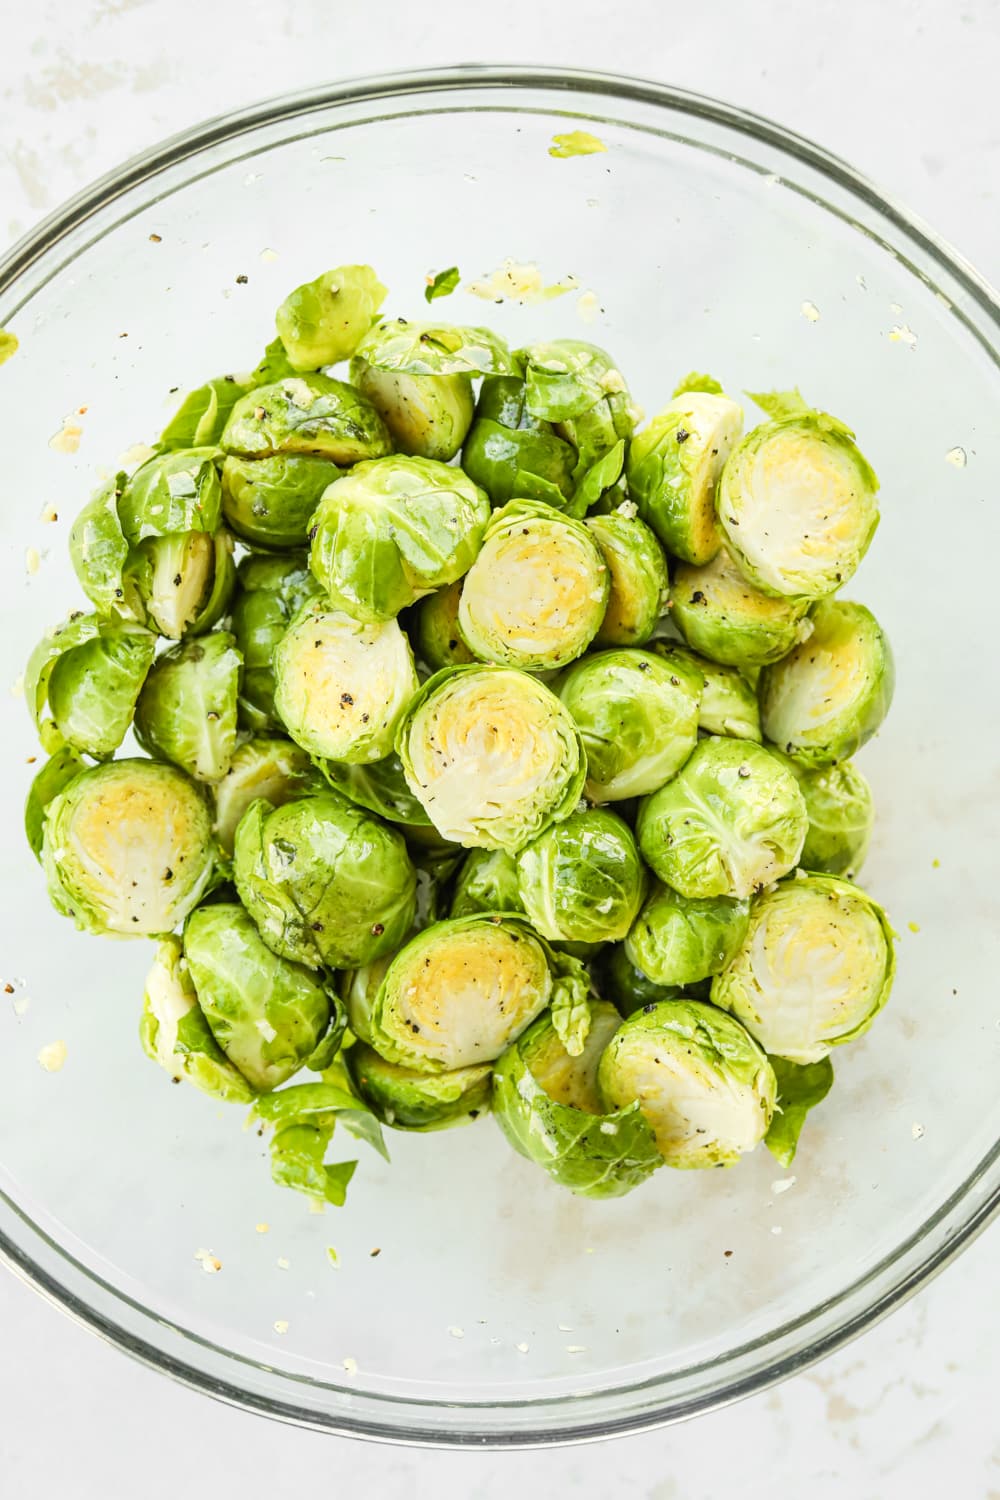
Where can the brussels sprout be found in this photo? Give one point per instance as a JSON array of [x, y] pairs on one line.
[[486, 882], [203, 413], [174, 1033], [379, 786], [270, 501], [638, 717], [462, 990], [629, 988], [306, 414], [186, 711], [434, 349], [358, 988], [512, 454], [830, 695], [720, 615], [267, 1014], [267, 767], [548, 1106], [412, 1100], [98, 549], [323, 321], [340, 687], [800, 1089], [730, 822], [492, 756], [677, 941], [171, 493], [639, 585], [427, 416], [435, 634], [728, 701], [90, 670], [704, 1086], [181, 585], [582, 881], [127, 848], [796, 500], [841, 813], [327, 884], [58, 771], [536, 594], [579, 388], [673, 469], [393, 530], [815, 968], [271, 591]]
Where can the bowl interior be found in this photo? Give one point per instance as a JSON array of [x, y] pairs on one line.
[[500, 1308]]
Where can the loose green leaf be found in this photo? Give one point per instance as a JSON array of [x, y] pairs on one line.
[[201, 416], [8, 345], [297, 1153], [443, 284], [800, 1089], [576, 143], [600, 476]]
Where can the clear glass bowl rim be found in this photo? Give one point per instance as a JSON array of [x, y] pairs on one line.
[[921, 1257]]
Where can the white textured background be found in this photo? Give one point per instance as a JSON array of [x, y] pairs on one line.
[[906, 90]]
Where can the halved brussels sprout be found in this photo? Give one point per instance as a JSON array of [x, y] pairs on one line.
[[536, 594], [393, 530], [673, 469], [267, 767], [62, 766], [180, 585], [723, 617], [815, 968], [186, 711], [174, 1033], [492, 756], [172, 493], [434, 349], [270, 501], [381, 787], [340, 687], [639, 584], [512, 454], [638, 718], [128, 849], [796, 500], [267, 1014], [486, 882], [324, 321], [271, 591], [728, 700], [677, 941], [841, 813], [628, 987], [703, 1084], [327, 884], [408, 1099], [203, 413], [578, 387], [90, 670], [582, 881], [435, 634], [729, 823], [427, 416], [306, 414], [549, 1108], [830, 695]]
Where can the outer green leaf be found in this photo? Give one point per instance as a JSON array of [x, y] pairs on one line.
[[297, 1152], [98, 549], [56, 773], [443, 284], [435, 349], [174, 1033], [600, 476], [170, 493], [800, 1089], [201, 416]]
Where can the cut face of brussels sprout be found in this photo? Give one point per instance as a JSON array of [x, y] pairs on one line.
[[324, 321], [673, 469], [171, 493], [492, 756], [199, 420], [435, 636], [412, 1100], [326, 883], [537, 592], [830, 695], [266, 1013], [180, 584], [639, 585], [187, 708], [638, 717], [381, 787], [174, 1033], [128, 848], [723, 617], [815, 968], [512, 454], [271, 591], [629, 987], [728, 702], [270, 501], [90, 670], [676, 941], [274, 769], [582, 881], [797, 501], [703, 1084], [486, 882], [427, 415], [841, 813], [306, 414], [549, 1108], [340, 686], [579, 387], [393, 530], [730, 822], [435, 349], [459, 992]]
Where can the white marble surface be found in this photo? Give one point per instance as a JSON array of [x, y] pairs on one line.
[[904, 89]]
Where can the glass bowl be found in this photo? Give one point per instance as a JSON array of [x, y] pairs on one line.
[[475, 1302]]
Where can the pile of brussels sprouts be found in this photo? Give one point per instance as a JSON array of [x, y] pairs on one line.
[[497, 753]]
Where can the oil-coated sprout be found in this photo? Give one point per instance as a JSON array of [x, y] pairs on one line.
[[512, 454], [841, 811], [90, 672], [173, 1030], [265, 766], [269, 502], [186, 711], [728, 702], [411, 1099], [679, 941], [435, 634], [271, 592], [639, 585], [323, 321], [487, 881], [306, 414], [582, 881], [673, 470], [722, 616], [579, 388]]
